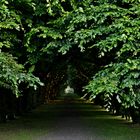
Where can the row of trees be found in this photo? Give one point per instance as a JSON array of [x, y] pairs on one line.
[[99, 38], [116, 35], [15, 80]]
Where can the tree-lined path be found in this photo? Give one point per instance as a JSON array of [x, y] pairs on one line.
[[88, 47], [69, 120]]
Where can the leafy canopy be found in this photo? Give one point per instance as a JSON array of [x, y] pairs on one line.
[[13, 74], [108, 28]]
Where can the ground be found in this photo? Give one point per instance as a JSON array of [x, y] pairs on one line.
[[66, 120]]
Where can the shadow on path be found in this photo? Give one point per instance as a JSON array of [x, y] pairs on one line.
[[63, 120]]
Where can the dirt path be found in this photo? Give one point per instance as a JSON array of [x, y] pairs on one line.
[[69, 124], [69, 121]]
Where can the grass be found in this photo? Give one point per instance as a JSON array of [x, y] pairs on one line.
[[42, 120], [109, 127]]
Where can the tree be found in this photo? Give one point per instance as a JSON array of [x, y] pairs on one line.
[[104, 33], [118, 33], [12, 73]]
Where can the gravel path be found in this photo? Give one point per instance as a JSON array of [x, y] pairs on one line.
[[69, 124]]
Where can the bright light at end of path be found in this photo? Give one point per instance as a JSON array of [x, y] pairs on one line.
[[69, 90]]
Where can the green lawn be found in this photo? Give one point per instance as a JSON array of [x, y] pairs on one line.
[[109, 127]]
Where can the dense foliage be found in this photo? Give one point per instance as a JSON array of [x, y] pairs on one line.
[[118, 35], [100, 37], [13, 74]]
